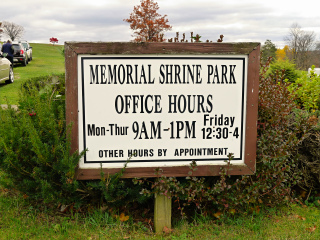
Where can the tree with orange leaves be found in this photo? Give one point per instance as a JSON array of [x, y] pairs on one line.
[[147, 23], [281, 54]]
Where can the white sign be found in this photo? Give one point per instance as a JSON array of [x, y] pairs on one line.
[[161, 110]]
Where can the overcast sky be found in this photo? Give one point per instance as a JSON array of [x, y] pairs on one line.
[[102, 20]]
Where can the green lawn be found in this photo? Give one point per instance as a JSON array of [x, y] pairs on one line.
[[18, 220], [47, 60]]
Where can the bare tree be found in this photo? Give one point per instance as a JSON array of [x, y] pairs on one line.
[[12, 30], [1, 30], [301, 43]]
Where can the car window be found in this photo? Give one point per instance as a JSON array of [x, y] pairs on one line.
[[25, 45], [16, 47]]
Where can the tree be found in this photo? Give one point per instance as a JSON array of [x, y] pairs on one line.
[[281, 54], [301, 43], [1, 30], [53, 40], [12, 30], [268, 50], [146, 23]]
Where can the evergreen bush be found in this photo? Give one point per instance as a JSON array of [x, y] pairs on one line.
[[34, 144], [35, 152], [284, 68]]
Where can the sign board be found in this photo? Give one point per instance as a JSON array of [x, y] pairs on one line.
[[162, 109]]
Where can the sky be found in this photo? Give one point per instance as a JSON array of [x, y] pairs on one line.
[[102, 20]]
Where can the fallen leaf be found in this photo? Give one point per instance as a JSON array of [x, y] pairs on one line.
[[64, 208], [255, 209], [217, 214], [167, 230], [123, 218], [103, 208], [299, 217], [232, 211], [303, 194], [260, 201], [311, 229]]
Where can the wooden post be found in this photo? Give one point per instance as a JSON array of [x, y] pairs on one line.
[[162, 212]]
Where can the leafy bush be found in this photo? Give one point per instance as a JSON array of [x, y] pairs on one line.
[[308, 153], [307, 90], [285, 69]]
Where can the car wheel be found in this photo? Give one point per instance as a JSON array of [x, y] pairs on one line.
[[25, 62], [31, 57], [11, 76]]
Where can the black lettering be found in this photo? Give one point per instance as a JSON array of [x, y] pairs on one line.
[[210, 72], [224, 73], [121, 77], [162, 74], [199, 79], [200, 103], [191, 109], [232, 67], [103, 74], [143, 75], [112, 74], [119, 108], [173, 102], [94, 74], [168, 73], [177, 74], [182, 104], [146, 104], [209, 102], [129, 74]]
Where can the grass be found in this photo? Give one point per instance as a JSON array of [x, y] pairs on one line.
[[21, 221], [47, 60]]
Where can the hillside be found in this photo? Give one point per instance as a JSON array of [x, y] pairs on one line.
[[47, 60]]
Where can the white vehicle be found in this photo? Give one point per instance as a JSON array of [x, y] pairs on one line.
[[316, 71], [6, 69], [28, 49]]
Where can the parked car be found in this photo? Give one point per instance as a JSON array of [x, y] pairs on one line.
[[28, 48], [6, 69], [20, 54]]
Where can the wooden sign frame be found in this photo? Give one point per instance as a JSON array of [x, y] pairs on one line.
[[252, 50]]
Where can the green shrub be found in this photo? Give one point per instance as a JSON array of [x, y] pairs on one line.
[[308, 153], [307, 90], [35, 152], [34, 144], [285, 69]]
